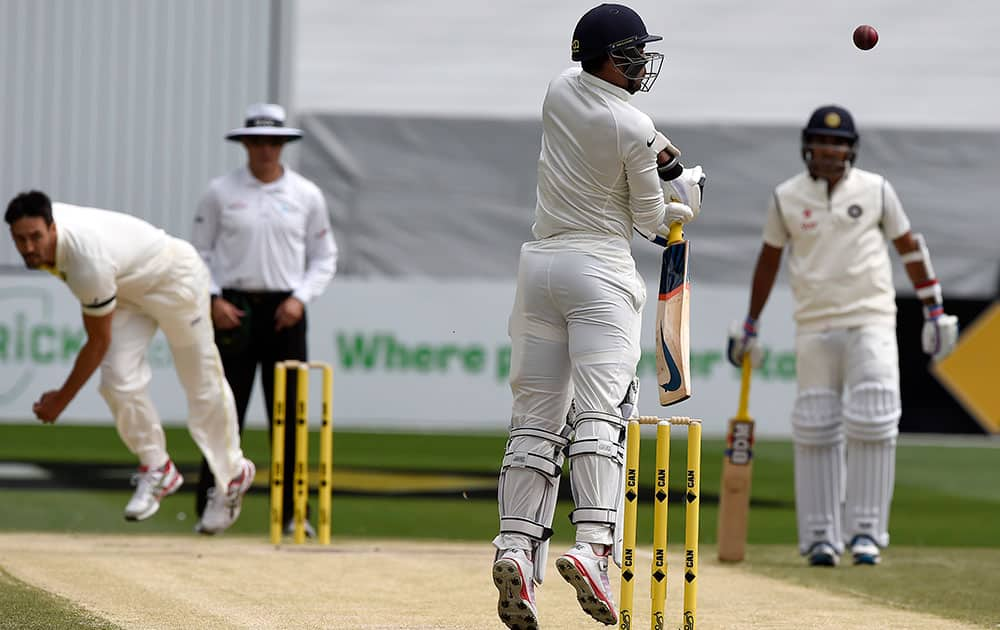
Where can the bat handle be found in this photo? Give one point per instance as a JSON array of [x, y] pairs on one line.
[[743, 410], [676, 234]]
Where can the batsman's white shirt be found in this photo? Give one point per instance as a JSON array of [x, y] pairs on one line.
[[257, 236], [838, 262], [596, 171]]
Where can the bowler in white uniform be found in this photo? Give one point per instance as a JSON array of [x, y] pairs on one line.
[[132, 278], [835, 219], [575, 325]]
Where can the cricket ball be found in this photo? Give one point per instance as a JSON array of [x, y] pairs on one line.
[[865, 37]]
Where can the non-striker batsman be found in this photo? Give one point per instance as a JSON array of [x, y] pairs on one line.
[[575, 324], [835, 219]]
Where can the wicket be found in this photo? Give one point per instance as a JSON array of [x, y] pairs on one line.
[[301, 476], [658, 583]]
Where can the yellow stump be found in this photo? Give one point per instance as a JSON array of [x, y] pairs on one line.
[[326, 458], [629, 523], [691, 517], [301, 492], [661, 489], [278, 453]]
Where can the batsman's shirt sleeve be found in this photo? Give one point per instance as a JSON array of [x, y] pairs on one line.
[[645, 192], [895, 223], [204, 231], [320, 249], [775, 232]]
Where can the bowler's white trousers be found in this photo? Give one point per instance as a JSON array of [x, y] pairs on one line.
[[179, 304], [574, 333]]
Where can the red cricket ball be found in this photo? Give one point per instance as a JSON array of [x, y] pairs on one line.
[[865, 37]]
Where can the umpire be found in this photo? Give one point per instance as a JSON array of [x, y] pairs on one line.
[[264, 232]]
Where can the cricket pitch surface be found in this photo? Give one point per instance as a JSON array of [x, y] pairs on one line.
[[140, 581]]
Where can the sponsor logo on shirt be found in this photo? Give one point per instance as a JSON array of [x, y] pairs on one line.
[[854, 211], [808, 225]]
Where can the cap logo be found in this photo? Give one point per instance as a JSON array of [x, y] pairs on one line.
[[832, 120], [575, 48]]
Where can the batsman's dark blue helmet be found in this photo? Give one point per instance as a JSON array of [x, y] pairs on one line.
[[606, 28], [831, 120]]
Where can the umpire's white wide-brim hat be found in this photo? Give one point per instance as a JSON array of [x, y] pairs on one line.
[[265, 119]]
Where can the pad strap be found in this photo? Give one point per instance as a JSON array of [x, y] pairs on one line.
[[559, 439], [593, 515], [540, 463], [531, 529], [612, 419], [597, 446]]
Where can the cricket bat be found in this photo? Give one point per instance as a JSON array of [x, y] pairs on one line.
[[673, 331], [737, 469]]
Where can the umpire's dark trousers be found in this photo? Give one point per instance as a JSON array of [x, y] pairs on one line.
[[256, 342]]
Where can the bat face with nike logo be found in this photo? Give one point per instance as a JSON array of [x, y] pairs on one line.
[[673, 365]]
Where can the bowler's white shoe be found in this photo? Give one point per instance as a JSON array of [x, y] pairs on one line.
[[290, 528], [513, 574], [222, 510], [587, 572], [150, 487], [864, 550]]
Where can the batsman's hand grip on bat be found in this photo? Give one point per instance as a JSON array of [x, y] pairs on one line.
[[743, 341], [677, 215], [686, 188]]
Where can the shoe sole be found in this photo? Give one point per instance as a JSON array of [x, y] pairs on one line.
[[822, 561], [513, 611], [585, 595], [141, 516], [866, 559]]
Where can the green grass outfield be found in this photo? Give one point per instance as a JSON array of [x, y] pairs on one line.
[[945, 556]]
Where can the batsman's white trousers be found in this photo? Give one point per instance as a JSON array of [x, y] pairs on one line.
[[575, 330], [179, 304], [848, 383]]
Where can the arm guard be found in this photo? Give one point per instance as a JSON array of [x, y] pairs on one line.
[[929, 288]]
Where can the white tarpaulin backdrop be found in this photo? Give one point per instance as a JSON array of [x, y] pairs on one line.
[[414, 355]]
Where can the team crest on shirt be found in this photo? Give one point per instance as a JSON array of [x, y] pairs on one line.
[[854, 211]]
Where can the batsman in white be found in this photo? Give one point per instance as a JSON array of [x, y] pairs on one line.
[[576, 318], [836, 218], [132, 278]]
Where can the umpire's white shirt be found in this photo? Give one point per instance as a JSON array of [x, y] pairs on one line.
[[104, 256], [839, 267], [257, 236], [596, 171]]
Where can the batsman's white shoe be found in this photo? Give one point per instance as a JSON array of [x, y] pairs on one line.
[[864, 550], [512, 575], [150, 487], [822, 554], [587, 572], [222, 510]]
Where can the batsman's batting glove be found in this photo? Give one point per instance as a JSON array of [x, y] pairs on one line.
[[686, 189], [940, 332], [743, 340]]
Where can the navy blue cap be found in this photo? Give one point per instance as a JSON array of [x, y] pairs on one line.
[[608, 27], [831, 120]]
